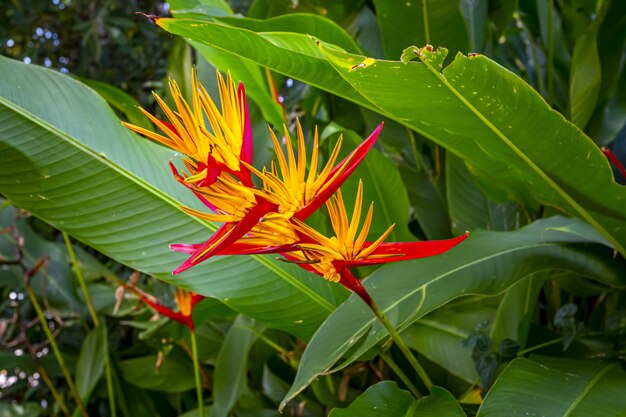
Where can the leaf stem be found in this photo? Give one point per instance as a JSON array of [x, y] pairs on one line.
[[401, 345], [539, 346], [400, 373], [550, 63], [109, 377], [196, 372], [81, 280], [425, 18], [55, 350], [50, 385]]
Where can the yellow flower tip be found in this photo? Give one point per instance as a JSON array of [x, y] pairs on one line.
[[183, 301]]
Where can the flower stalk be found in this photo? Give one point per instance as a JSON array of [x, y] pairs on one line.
[[196, 372], [81, 280], [395, 336], [54, 346]]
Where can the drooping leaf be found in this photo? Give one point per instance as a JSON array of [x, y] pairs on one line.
[[486, 263], [557, 387], [386, 399], [91, 360], [65, 158], [120, 101], [172, 375], [232, 363], [473, 108], [470, 208], [435, 22], [439, 337], [476, 109]]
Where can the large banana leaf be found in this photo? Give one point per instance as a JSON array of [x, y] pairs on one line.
[[557, 387], [386, 399], [65, 158], [486, 263], [518, 147]]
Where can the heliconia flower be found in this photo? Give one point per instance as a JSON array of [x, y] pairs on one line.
[[289, 192], [208, 153], [333, 257], [185, 300]]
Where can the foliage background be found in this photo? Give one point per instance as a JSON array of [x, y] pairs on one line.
[[554, 288]]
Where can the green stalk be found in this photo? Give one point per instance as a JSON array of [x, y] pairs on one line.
[[56, 351], [401, 345], [425, 18], [550, 63], [109, 378], [55, 393], [539, 346], [400, 373], [540, 87], [81, 280], [196, 373]]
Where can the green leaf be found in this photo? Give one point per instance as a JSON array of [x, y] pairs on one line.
[[586, 76], [305, 23], [65, 158], [517, 308], [26, 409], [470, 208], [439, 337], [120, 101], [435, 22], [91, 361], [557, 387], [475, 14], [386, 399], [291, 54], [486, 263], [231, 365], [486, 115], [172, 376], [476, 109], [501, 13]]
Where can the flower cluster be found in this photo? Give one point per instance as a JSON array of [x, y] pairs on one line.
[[270, 218]]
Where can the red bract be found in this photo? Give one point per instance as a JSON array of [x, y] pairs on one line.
[[186, 301], [283, 196]]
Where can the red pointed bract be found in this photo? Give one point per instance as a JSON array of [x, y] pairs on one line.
[[247, 146], [181, 180], [161, 309], [228, 234], [354, 159], [405, 251]]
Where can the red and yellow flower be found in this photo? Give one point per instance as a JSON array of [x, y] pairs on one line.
[[270, 218]]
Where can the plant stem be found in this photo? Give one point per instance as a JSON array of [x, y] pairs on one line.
[[398, 371], [109, 377], [401, 345], [196, 372], [55, 393], [425, 18], [81, 280], [55, 349], [540, 346], [550, 63], [534, 47]]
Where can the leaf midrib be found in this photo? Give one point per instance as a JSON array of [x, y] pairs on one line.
[[370, 321], [588, 388], [364, 101], [157, 193], [534, 167]]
